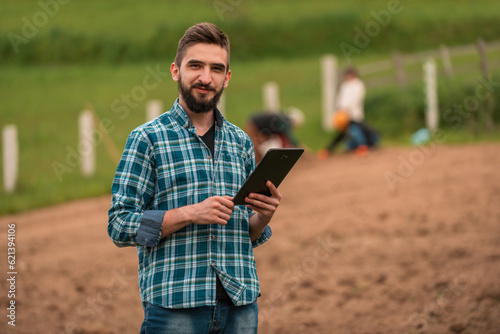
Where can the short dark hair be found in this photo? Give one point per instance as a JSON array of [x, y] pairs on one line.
[[204, 32], [351, 70]]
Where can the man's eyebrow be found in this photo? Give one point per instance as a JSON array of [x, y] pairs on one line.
[[195, 61]]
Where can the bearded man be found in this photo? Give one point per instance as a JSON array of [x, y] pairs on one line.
[[172, 199]]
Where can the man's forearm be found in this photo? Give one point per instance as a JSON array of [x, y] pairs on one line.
[[174, 220]]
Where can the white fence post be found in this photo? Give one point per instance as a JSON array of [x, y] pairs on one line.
[[153, 109], [430, 79], [271, 95], [86, 125], [329, 76], [10, 157]]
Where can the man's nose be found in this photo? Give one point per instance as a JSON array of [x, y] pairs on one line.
[[205, 76]]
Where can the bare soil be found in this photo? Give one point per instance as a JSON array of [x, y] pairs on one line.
[[403, 240]]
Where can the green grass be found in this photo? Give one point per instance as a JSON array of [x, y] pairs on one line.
[[44, 102], [137, 19]]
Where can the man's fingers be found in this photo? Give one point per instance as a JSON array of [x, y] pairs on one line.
[[214, 210], [265, 205], [224, 209], [227, 201], [273, 199], [222, 221], [273, 189]]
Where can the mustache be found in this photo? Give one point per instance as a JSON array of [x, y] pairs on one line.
[[201, 85]]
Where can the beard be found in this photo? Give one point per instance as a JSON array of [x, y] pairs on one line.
[[203, 104]]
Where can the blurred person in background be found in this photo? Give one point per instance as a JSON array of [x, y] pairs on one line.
[[351, 95], [172, 199], [356, 137], [273, 130]]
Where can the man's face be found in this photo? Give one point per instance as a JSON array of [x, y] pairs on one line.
[[202, 77]]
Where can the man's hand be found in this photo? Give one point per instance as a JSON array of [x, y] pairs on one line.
[[213, 210], [265, 206]]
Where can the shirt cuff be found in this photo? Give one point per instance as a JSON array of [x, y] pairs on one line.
[[263, 237], [149, 232]]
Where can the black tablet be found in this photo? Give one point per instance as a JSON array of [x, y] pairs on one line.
[[274, 166]]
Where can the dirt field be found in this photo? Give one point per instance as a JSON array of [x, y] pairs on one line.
[[404, 240]]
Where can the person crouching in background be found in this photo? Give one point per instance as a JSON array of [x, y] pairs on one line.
[[273, 130], [357, 137]]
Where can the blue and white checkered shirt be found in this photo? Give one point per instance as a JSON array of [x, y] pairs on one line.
[[165, 165]]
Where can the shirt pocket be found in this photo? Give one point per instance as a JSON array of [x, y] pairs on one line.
[[231, 172], [182, 181]]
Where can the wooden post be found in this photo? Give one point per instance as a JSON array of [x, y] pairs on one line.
[[488, 113], [430, 79], [10, 157], [271, 97], [400, 69], [481, 46], [329, 78], [106, 138], [87, 143], [153, 109], [446, 58]]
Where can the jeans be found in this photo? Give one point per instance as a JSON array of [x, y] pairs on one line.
[[224, 317]]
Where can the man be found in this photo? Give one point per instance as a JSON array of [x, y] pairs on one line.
[[172, 200], [352, 95]]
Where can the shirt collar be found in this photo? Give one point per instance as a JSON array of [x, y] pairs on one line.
[[219, 119]]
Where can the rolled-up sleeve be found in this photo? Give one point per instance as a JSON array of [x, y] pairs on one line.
[[263, 237], [149, 233]]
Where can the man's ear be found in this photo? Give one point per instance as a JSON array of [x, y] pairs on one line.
[[226, 79], [174, 70]]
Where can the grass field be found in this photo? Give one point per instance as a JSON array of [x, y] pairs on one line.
[[136, 20], [44, 100]]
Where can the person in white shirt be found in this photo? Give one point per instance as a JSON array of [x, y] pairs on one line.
[[352, 95]]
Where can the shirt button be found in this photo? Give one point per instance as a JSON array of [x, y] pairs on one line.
[[212, 237], [208, 157]]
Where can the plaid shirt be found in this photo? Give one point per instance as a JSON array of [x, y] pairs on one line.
[[165, 165]]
